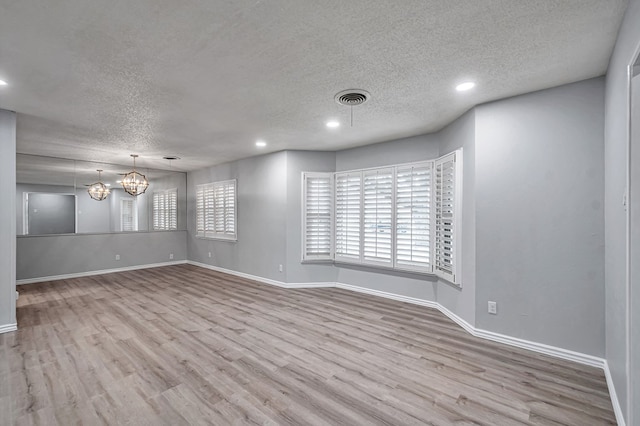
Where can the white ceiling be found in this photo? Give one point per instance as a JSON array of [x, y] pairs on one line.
[[203, 79]]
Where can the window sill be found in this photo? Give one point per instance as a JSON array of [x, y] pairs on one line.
[[229, 240]]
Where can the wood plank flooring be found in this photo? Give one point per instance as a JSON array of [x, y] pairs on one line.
[[182, 345]]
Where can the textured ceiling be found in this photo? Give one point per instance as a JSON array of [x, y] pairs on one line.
[[203, 79]]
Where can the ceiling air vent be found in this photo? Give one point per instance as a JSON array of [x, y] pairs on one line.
[[352, 97]]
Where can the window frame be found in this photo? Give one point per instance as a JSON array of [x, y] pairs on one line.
[[427, 269], [212, 234]]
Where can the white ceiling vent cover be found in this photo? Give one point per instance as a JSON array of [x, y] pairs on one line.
[[352, 97]]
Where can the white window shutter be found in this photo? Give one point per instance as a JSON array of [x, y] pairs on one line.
[[317, 216], [348, 190], [413, 217], [200, 211], [447, 212], [165, 209], [216, 210], [128, 215], [377, 201], [172, 206]]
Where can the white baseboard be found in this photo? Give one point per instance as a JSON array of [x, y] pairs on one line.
[[100, 272], [398, 297], [614, 396], [239, 274], [542, 348], [457, 319], [311, 285], [262, 279], [6, 328]]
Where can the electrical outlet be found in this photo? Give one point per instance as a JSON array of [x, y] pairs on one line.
[[493, 308], [209, 254], [117, 257], [170, 256], [280, 267]]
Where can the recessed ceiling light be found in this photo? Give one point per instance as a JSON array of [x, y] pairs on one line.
[[333, 124], [3, 83], [468, 85], [261, 144]]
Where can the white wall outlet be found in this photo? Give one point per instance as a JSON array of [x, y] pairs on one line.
[[280, 267], [209, 254], [17, 295], [493, 307], [117, 257], [170, 256]]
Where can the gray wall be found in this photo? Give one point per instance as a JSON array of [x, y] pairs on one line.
[[407, 150], [634, 245], [261, 221], [539, 216], [616, 160], [45, 256], [462, 300], [418, 148], [298, 162], [7, 218]]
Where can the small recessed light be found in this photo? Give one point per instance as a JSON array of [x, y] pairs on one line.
[[107, 184], [261, 144], [333, 124], [3, 83], [468, 85]]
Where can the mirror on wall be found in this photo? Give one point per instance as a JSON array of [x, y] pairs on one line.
[[52, 198]]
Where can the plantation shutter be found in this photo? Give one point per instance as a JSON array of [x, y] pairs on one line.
[[172, 209], [158, 210], [216, 210], [378, 211], [229, 208], [200, 211], [413, 213], [128, 219], [165, 209], [317, 216], [347, 228], [445, 217]]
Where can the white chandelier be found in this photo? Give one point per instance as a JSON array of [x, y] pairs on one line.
[[98, 191], [133, 182]]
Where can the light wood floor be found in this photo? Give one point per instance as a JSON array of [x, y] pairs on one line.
[[185, 345]]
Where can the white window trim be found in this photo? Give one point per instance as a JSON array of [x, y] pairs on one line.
[[454, 278], [211, 235], [317, 258]]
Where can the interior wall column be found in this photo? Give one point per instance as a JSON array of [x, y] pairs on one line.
[[7, 221]]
